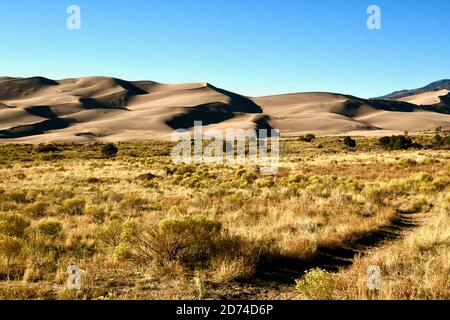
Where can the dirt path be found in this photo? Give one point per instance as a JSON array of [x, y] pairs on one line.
[[275, 279]]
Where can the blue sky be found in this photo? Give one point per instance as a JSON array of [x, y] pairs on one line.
[[253, 47]]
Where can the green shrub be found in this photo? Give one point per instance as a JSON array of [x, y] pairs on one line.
[[45, 148], [397, 142], [110, 233], [349, 142], [266, 182], [133, 201], [123, 252], [408, 162], [73, 207], [18, 196], [50, 228], [385, 141], [130, 230], [37, 209], [446, 140], [317, 284], [7, 206], [110, 150], [10, 247], [307, 138], [13, 225], [190, 241], [97, 214], [438, 141]]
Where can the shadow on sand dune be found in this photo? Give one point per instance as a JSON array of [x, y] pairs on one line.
[[216, 112], [36, 128]]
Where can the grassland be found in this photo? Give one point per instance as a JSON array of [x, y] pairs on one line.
[[140, 227]]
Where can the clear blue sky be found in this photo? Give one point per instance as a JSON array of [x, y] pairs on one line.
[[254, 47]]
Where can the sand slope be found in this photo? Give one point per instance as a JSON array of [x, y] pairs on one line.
[[434, 86], [426, 98], [328, 113], [38, 109]]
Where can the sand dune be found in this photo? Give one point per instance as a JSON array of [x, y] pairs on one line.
[[328, 113], [427, 98], [38, 109]]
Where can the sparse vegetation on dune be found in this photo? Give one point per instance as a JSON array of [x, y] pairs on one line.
[[140, 227]]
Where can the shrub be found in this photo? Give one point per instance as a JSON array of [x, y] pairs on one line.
[[438, 141], [397, 142], [13, 225], [10, 247], [50, 228], [317, 284], [132, 201], [446, 140], [17, 196], [190, 241], [97, 214], [193, 242], [266, 182], [401, 143], [45, 148], [110, 233], [385, 141], [408, 162], [37, 209], [73, 207], [307, 138], [123, 252], [109, 150], [349, 142]]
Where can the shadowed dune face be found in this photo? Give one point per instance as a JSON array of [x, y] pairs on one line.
[[101, 108], [216, 112]]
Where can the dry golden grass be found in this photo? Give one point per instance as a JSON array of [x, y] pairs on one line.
[[118, 219]]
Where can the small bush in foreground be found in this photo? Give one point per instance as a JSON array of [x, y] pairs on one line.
[[189, 240], [317, 284], [194, 242]]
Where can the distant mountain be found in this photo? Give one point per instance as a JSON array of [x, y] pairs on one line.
[[435, 86]]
